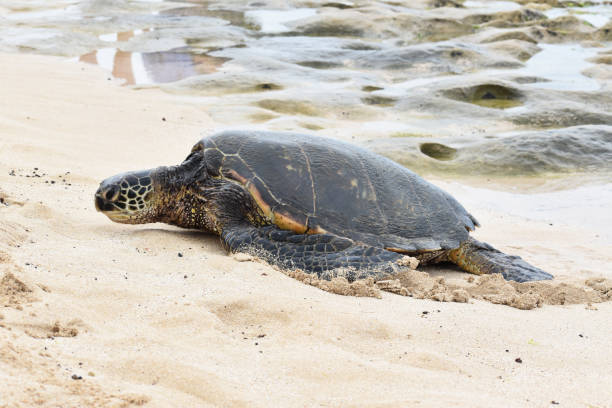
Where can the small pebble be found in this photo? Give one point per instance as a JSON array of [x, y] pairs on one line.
[[180, 255], [76, 377], [518, 360]]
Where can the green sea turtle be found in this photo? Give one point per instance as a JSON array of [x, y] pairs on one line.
[[307, 202]]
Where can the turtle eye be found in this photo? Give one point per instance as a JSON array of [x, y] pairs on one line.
[[112, 193]]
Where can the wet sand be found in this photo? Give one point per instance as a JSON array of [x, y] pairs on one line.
[[101, 314]]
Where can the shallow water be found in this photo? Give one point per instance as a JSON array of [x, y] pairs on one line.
[[274, 21], [562, 65], [410, 80], [141, 68], [492, 6], [596, 15]]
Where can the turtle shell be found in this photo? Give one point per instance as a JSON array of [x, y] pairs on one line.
[[311, 184]]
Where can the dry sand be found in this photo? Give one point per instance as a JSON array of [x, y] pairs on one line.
[[102, 314]]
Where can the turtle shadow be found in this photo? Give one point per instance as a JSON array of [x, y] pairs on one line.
[[194, 238], [444, 270]]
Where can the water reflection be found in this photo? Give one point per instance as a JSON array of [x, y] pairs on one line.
[[562, 65], [596, 15], [151, 67]]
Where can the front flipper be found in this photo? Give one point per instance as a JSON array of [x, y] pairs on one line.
[[322, 254], [479, 258]]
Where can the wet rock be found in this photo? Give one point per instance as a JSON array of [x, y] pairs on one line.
[[440, 29], [333, 26], [360, 46], [289, 107], [528, 79], [342, 5], [564, 28], [47, 41], [429, 59], [511, 35], [604, 33], [487, 95], [438, 151], [223, 83], [566, 23], [564, 150], [445, 3], [561, 117], [602, 59], [379, 23], [600, 72], [504, 19], [233, 17], [516, 18], [211, 35], [521, 50], [260, 117], [319, 64], [574, 149], [379, 100]]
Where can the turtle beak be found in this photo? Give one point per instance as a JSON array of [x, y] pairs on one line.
[[101, 205], [104, 197]]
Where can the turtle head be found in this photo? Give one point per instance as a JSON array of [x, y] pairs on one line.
[[165, 194], [129, 198]]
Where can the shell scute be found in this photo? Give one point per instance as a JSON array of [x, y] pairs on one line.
[[317, 185]]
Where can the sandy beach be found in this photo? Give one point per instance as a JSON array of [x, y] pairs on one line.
[[106, 315]]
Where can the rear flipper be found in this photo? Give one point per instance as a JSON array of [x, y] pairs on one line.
[[322, 254], [480, 258]]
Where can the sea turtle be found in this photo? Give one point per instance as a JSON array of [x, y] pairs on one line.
[[307, 202]]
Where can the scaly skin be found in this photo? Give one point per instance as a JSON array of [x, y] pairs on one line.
[[480, 258]]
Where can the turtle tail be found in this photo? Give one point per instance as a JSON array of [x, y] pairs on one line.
[[480, 258]]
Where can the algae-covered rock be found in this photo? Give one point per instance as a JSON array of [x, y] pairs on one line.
[[491, 95], [574, 149]]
